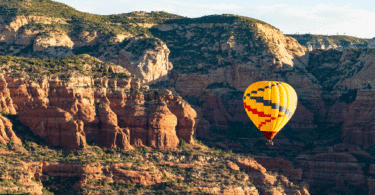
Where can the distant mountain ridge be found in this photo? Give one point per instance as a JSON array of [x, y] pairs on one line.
[[340, 42]]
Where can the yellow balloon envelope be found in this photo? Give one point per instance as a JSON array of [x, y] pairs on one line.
[[270, 105]]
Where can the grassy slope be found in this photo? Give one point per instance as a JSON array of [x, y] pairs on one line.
[[64, 68], [224, 18]]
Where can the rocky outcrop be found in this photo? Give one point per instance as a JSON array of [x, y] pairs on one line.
[[6, 105], [146, 58], [162, 127], [281, 165], [86, 38], [136, 177], [56, 45], [6, 132], [6, 102], [185, 116], [269, 183], [111, 135], [56, 126], [44, 43], [10, 32], [230, 191]]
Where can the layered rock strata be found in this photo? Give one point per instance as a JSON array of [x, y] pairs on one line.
[[111, 112], [334, 171]]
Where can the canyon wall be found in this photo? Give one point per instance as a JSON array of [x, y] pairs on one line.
[[113, 113]]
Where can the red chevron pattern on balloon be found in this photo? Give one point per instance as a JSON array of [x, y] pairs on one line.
[[267, 121], [255, 111], [261, 114]]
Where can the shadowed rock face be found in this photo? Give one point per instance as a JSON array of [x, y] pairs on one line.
[[335, 172], [111, 135], [6, 132], [6, 102], [6, 105], [56, 126]]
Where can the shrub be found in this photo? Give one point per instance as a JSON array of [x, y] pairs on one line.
[[183, 144]]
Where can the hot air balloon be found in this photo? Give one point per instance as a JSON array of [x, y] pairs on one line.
[[270, 105]]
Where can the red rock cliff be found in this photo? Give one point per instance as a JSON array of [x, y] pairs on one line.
[[105, 111]]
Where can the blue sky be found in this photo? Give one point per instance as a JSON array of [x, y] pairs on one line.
[[354, 18]]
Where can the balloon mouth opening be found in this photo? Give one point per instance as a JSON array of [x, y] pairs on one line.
[[269, 134]]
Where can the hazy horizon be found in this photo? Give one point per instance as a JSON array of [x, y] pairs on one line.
[[315, 17]]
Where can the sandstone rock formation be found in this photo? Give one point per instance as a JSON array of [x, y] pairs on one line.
[[146, 58], [49, 44], [6, 132], [280, 165], [6, 104], [67, 113], [185, 116], [56, 126], [326, 171], [111, 135], [162, 127], [266, 180], [55, 44]]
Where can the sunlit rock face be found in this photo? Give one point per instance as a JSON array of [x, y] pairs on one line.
[[67, 113]]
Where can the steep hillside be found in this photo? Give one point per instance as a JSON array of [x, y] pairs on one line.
[[47, 29], [217, 41]]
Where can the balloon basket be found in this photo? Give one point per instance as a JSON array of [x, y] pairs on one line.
[[269, 143]]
